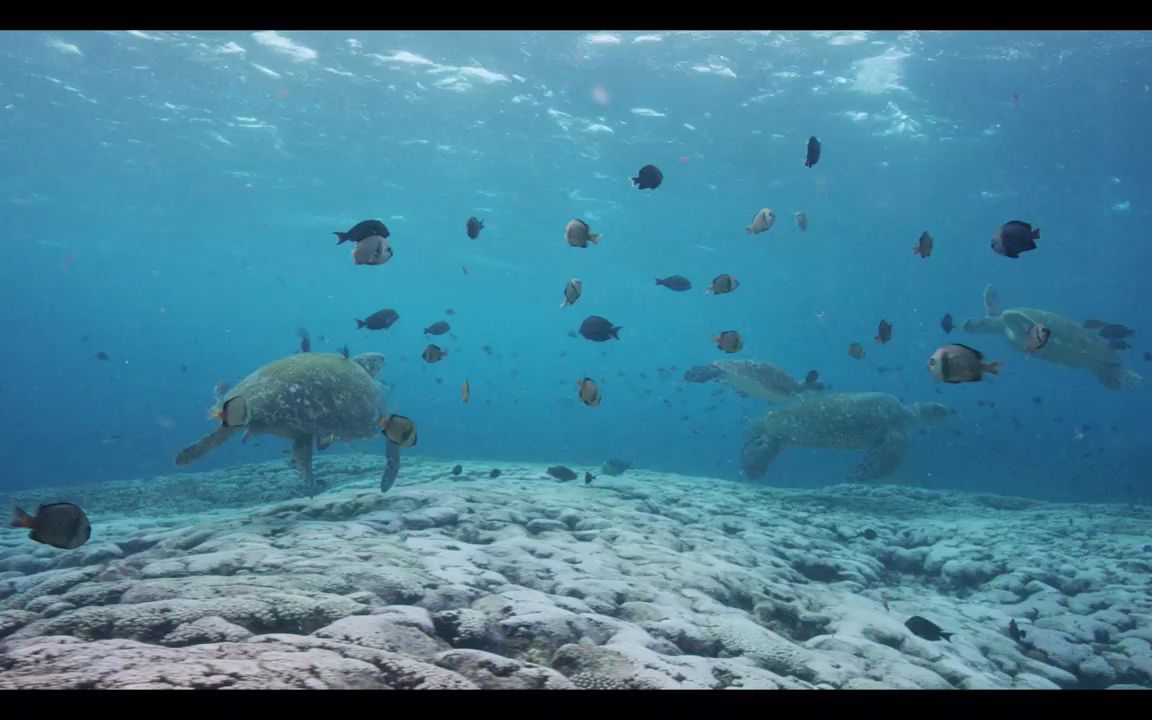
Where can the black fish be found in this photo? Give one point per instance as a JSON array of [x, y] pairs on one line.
[[61, 525], [1015, 632], [305, 341], [183, 368], [437, 328], [811, 377], [598, 329], [1015, 237], [457, 469], [101, 356], [494, 474], [474, 227], [344, 352], [1118, 344], [562, 473], [813, 156], [946, 323], [1113, 331], [379, 320], [649, 178], [925, 628], [588, 478], [361, 230], [884, 333], [679, 283], [869, 534]]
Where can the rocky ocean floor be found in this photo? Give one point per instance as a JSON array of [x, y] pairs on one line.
[[230, 579]]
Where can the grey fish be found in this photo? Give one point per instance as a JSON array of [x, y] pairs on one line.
[[562, 473], [457, 469], [437, 328], [577, 234], [379, 320], [615, 467], [679, 283], [494, 473], [61, 525], [572, 290]]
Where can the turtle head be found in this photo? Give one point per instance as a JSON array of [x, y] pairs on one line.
[[930, 411], [372, 362], [987, 324], [702, 373]]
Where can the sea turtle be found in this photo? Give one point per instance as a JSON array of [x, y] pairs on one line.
[[752, 377], [1068, 344], [875, 422], [308, 398]]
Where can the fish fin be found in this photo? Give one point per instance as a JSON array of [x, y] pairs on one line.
[[341, 237], [658, 281], [946, 635], [635, 180], [21, 518], [594, 237], [1035, 233], [613, 332], [360, 324], [992, 367], [748, 229]]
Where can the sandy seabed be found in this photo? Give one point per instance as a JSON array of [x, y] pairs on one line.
[[232, 579]]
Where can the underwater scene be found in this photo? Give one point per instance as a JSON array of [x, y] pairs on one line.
[[576, 359]]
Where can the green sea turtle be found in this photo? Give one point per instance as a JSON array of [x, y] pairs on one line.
[[752, 377], [1069, 344], [308, 398], [875, 422]]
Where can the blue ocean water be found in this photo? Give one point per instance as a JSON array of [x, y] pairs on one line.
[[169, 199]]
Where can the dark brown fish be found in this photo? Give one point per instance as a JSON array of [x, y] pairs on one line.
[[61, 525], [494, 473], [1094, 324], [474, 226], [1015, 237], [946, 323], [811, 377], [679, 283], [856, 350], [437, 328], [379, 320], [562, 473], [599, 329], [457, 469], [923, 246], [361, 230], [729, 341], [1116, 332], [101, 355], [305, 341], [433, 353], [926, 629], [885, 332], [813, 155]]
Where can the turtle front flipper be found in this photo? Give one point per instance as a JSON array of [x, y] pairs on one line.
[[391, 467], [883, 458], [758, 454], [986, 324], [302, 458], [204, 445]]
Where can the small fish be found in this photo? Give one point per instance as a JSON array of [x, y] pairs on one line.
[[84, 338], [474, 226], [884, 334], [813, 155], [589, 392], [399, 430], [101, 355], [923, 246], [1119, 344], [449, 311], [433, 353], [487, 349], [678, 283], [61, 525], [457, 469], [572, 290], [577, 234], [305, 341], [946, 323], [183, 368], [615, 467], [372, 250], [437, 328], [588, 478], [722, 284], [761, 221], [465, 392], [925, 628], [1015, 632], [959, 364], [494, 473], [233, 413], [599, 329], [856, 350], [801, 221], [344, 352], [111, 439], [1037, 337], [361, 230], [1094, 324], [379, 320], [649, 178], [1015, 237], [1036, 400], [562, 473], [729, 341], [869, 534], [811, 377], [1114, 331]]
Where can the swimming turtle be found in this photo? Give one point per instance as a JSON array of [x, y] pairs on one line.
[[1068, 344], [752, 377], [308, 398], [875, 422]]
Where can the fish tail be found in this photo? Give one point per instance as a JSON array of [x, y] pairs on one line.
[[635, 180], [992, 367], [748, 229], [21, 518], [946, 635], [341, 237], [360, 324], [1035, 233], [594, 237], [613, 332], [658, 281]]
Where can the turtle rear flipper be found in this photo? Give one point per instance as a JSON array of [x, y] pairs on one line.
[[204, 445], [758, 454], [391, 467], [883, 458], [1115, 377], [302, 457]]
